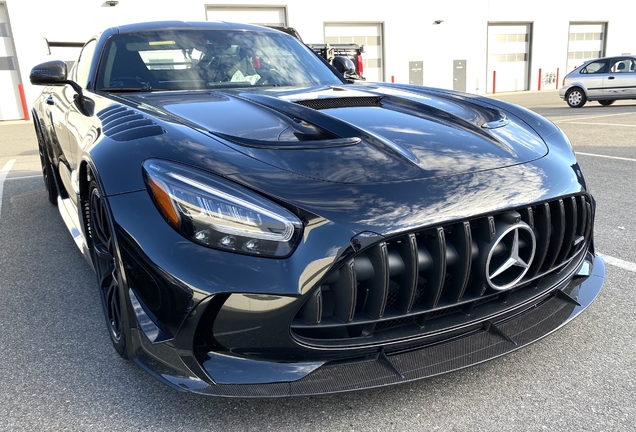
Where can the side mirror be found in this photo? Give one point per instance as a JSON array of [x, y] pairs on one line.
[[344, 65], [53, 73], [49, 73]]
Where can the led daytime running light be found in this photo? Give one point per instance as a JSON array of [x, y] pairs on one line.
[[234, 222]]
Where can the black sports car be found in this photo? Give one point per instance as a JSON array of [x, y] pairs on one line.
[[260, 227]]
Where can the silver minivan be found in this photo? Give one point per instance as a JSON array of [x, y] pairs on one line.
[[605, 80]]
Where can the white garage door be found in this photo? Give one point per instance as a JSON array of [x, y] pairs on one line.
[[367, 34], [586, 42], [10, 104], [508, 56], [266, 15]]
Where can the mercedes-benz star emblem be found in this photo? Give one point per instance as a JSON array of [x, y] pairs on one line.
[[510, 256]]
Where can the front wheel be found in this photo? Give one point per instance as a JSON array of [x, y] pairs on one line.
[[108, 269], [575, 98], [606, 102]]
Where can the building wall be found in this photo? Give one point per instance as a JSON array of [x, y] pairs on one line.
[[410, 32]]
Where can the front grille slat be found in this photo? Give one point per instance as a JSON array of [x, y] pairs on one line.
[[543, 231], [461, 237], [408, 280], [378, 286], [582, 216], [557, 210], [571, 220], [436, 245], [420, 281], [588, 216], [346, 293]]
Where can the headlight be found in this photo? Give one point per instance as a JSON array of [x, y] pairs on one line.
[[217, 213]]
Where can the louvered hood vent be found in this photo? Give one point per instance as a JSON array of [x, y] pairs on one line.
[[120, 123], [446, 276]]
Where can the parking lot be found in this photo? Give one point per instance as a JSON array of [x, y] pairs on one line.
[[58, 370]]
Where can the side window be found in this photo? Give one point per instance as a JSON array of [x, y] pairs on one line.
[[623, 65], [595, 67], [83, 65]]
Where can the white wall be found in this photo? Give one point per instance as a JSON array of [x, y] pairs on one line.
[[409, 31]]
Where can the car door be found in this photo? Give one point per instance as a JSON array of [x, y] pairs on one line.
[[620, 81], [55, 109], [592, 77]]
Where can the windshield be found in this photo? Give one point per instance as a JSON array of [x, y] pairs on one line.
[[207, 59]]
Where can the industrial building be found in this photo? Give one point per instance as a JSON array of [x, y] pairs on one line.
[[478, 46]]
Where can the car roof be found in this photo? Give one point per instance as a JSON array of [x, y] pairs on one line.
[[186, 25], [610, 57]]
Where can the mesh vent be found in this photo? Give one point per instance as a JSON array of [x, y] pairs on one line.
[[447, 271], [347, 102]]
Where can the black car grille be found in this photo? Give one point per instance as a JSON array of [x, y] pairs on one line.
[[437, 277]]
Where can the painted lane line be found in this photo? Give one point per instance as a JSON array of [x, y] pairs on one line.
[[606, 157], [24, 177], [590, 117], [625, 265], [599, 124], [3, 175]]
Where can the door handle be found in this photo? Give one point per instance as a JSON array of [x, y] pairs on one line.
[[49, 101], [609, 78]]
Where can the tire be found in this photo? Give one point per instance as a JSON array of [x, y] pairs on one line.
[[606, 102], [575, 97], [107, 268], [47, 168]]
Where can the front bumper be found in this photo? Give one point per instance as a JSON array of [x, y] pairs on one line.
[[476, 345]]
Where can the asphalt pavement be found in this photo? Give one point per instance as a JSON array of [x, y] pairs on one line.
[[59, 372]]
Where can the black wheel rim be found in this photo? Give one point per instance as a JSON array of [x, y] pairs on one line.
[[106, 266]]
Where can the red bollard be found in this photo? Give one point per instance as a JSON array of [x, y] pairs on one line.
[[539, 86], [25, 109], [494, 81], [392, 78], [557, 79]]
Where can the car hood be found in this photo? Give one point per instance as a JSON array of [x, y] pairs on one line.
[[355, 133]]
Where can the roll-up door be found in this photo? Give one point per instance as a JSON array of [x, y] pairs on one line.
[[508, 56], [367, 34], [586, 42]]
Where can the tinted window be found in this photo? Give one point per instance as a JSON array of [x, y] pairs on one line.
[[199, 59], [594, 67], [623, 65]]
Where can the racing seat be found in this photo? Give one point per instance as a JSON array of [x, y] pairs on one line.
[[129, 70]]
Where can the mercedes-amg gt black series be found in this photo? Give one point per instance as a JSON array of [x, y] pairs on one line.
[[260, 226]]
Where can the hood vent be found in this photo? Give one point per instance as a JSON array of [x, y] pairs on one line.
[[345, 102], [124, 124]]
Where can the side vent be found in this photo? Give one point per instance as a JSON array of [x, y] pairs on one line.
[[120, 123]]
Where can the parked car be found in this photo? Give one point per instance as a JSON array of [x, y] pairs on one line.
[[605, 80], [260, 226]]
